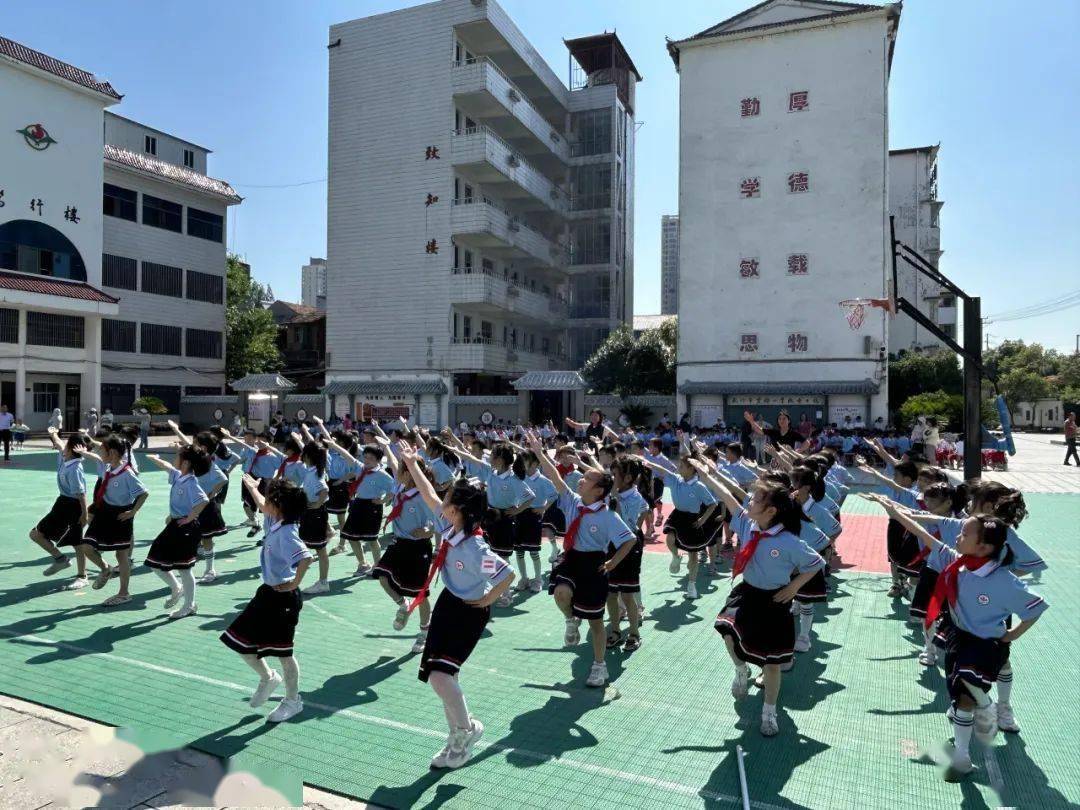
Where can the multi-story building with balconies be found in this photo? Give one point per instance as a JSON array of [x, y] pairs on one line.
[[669, 264], [479, 210]]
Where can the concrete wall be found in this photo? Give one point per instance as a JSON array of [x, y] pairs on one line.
[[128, 134]]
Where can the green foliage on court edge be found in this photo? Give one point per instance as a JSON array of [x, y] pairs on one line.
[[152, 404], [948, 408], [914, 373], [250, 331], [624, 365]]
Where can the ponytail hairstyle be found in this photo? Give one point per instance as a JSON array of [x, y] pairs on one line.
[[222, 448], [908, 469], [198, 460], [287, 498], [806, 477], [115, 443], [956, 497], [830, 454], [711, 453], [994, 532], [437, 449], [505, 454], [627, 472], [292, 445], [468, 497], [789, 514], [985, 494], [207, 441], [130, 434], [1011, 508], [76, 442], [777, 477], [935, 475], [530, 458], [314, 455], [735, 449]]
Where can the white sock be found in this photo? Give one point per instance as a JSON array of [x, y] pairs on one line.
[[290, 670], [209, 560], [170, 579], [187, 577], [521, 564], [928, 644], [768, 709], [449, 691], [743, 669], [806, 618], [963, 724], [536, 564], [1004, 685]]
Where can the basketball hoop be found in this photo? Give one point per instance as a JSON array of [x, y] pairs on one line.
[[856, 309]]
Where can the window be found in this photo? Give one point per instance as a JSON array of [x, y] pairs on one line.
[[117, 397], [591, 186], [466, 327], [63, 331], [34, 247], [202, 390], [590, 241], [46, 397], [119, 202], [118, 271], [590, 295], [590, 132], [189, 158], [161, 279], [203, 343], [117, 336], [9, 326], [160, 339], [205, 225], [168, 394], [160, 213], [485, 330], [150, 145], [205, 287]]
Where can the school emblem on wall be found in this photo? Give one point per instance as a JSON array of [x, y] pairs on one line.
[[36, 137]]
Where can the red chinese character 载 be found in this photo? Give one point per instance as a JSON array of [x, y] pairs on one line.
[[797, 264], [748, 343], [748, 268], [750, 106], [799, 101], [432, 246], [750, 187], [797, 342], [798, 182]]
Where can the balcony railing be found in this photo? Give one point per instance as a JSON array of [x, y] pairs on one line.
[[476, 144], [483, 215]]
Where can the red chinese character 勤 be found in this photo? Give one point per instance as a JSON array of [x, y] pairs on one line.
[[797, 264]]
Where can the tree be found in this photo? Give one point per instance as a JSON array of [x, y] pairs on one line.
[[915, 373], [948, 408], [250, 331], [1020, 385], [151, 404], [624, 365]]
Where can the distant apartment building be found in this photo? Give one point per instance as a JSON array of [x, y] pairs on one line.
[[669, 264], [313, 283], [479, 209]]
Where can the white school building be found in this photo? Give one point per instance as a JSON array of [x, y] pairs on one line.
[[112, 250], [783, 211]]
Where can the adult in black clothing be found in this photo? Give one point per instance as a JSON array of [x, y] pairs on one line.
[[594, 428], [746, 438], [783, 434]]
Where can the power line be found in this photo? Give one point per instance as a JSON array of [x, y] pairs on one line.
[[281, 185], [1058, 304]]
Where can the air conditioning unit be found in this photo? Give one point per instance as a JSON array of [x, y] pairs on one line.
[[512, 94], [512, 159]]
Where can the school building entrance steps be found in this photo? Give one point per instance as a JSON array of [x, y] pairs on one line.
[[860, 720]]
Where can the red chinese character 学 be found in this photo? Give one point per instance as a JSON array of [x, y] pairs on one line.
[[748, 343], [798, 101], [750, 106], [797, 342], [748, 268], [432, 153], [432, 246], [797, 264], [750, 187], [798, 182]]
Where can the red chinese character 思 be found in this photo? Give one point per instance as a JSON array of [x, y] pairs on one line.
[[798, 182], [797, 342], [750, 187], [748, 268], [432, 153], [750, 106], [431, 199], [748, 343], [432, 246], [797, 264], [798, 101]]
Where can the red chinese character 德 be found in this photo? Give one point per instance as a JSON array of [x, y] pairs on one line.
[[748, 343], [748, 268], [799, 101], [797, 342], [798, 182], [750, 187], [750, 106], [432, 246], [797, 264]]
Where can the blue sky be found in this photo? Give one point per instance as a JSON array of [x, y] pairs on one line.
[[996, 85]]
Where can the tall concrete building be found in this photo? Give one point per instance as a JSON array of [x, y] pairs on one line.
[[479, 221], [669, 264], [916, 211], [313, 283], [783, 206]]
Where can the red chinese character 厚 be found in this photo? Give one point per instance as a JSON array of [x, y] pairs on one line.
[[799, 101], [797, 264], [797, 342], [750, 187], [748, 343], [748, 268], [750, 106], [798, 181], [432, 246]]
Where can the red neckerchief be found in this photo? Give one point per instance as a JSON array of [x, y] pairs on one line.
[[948, 584], [288, 460], [99, 491], [436, 566], [745, 553], [356, 482], [262, 451], [399, 506], [575, 524], [924, 552], [564, 469]]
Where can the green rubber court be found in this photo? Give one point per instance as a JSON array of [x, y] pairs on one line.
[[860, 721]]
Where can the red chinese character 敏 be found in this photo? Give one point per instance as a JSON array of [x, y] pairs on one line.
[[798, 101], [750, 106], [750, 187], [798, 182], [797, 264], [748, 268]]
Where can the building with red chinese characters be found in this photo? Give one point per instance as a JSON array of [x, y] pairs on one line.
[[783, 209]]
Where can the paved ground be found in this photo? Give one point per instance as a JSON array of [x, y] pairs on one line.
[[861, 722]]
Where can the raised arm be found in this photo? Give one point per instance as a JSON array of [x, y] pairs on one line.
[[269, 448], [420, 481], [749, 417], [252, 486], [586, 458], [160, 463], [180, 437], [345, 454], [57, 445], [901, 515], [228, 437], [576, 425], [883, 454], [550, 471], [718, 485]]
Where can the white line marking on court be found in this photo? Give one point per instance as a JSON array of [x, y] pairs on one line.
[[674, 787], [993, 771]]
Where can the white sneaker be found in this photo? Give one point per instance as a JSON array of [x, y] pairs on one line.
[[184, 611], [986, 725], [337, 550], [461, 744], [266, 687], [362, 570], [691, 591], [286, 710], [102, 578], [421, 640], [740, 686], [173, 600], [59, 564], [536, 584], [208, 577], [439, 760], [802, 643], [1005, 719], [598, 674], [959, 767], [401, 618], [503, 601], [769, 727], [928, 658], [572, 634], [554, 555], [676, 564], [78, 584], [522, 585], [322, 586]]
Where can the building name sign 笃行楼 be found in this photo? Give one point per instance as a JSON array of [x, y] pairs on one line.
[[776, 399]]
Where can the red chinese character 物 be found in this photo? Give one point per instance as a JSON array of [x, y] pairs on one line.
[[432, 246], [432, 153], [748, 268], [750, 106], [797, 264], [798, 101], [798, 181], [748, 343], [797, 342], [750, 187]]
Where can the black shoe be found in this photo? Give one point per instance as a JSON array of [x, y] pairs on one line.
[[254, 530]]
